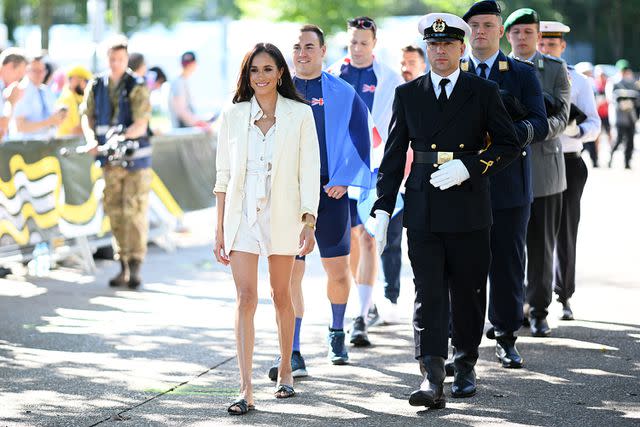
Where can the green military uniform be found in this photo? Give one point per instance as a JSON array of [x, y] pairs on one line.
[[126, 192], [549, 179]]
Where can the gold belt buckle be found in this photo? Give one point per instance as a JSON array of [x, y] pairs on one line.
[[444, 157]]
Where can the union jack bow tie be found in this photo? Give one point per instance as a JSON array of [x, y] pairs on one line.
[[317, 101], [368, 88]]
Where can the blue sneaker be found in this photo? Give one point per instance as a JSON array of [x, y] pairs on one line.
[[298, 367], [337, 350], [273, 370]]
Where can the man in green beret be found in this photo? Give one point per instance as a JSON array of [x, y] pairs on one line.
[[548, 171]]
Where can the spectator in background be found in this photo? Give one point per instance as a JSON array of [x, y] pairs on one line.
[[155, 78], [35, 114], [623, 93], [413, 64], [600, 81], [49, 70], [180, 103], [70, 99], [13, 66], [137, 64], [159, 96]]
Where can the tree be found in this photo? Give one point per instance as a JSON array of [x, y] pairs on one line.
[[330, 15]]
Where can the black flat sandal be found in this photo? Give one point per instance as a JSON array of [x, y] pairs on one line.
[[241, 404], [284, 391]]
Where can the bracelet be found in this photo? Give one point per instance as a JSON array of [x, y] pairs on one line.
[[311, 225]]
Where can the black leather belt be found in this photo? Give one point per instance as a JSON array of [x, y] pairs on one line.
[[572, 155], [439, 157]]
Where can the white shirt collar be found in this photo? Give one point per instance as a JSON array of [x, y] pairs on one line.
[[453, 78], [256, 111], [489, 61]]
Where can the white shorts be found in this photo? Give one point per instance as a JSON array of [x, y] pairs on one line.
[[256, 238]]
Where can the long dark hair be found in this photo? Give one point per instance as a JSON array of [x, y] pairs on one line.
[[244, 92]]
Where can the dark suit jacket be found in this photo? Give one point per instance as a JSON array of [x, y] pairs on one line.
[[512, 187], [473, 110]]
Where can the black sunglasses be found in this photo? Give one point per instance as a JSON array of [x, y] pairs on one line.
[[363, 24]]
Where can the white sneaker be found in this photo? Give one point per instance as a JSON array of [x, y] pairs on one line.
[[389, 312]]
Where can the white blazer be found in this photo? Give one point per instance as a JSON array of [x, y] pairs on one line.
[[295, 171]]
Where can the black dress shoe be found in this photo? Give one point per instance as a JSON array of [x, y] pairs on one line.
[[464, 379], [539, 327], [525, 315], [448, 364], [491, 333], [506, 351], [431, 392], [448, 367], [567, 313]]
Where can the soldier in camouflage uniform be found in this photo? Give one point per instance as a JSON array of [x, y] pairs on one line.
[[117, 97]]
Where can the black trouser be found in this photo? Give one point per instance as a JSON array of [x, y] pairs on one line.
[[449, 264], [592, 149], [506, 274], [392, 259], [542, 233], [626, 135], [565, 277]]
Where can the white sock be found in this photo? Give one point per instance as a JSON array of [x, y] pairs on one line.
[[366, 293]]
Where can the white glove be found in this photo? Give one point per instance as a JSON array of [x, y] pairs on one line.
[[380, 234], [449, 174], [572, 130]]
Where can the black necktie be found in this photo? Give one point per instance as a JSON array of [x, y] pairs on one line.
[[442, 98], [483, 70]]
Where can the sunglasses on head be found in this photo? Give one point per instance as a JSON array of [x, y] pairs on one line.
[[363, 24]]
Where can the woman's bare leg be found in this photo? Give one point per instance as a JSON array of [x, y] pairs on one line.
[[244, 267], [280, 268]]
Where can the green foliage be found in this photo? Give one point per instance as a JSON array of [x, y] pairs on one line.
[[608, 25], [330, 15]]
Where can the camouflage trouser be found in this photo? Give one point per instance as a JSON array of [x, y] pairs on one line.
[[126, 201]]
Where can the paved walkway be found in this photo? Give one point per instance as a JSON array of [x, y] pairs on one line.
[[75, 353]]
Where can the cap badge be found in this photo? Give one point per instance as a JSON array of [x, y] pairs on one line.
[[439, 25], [503, 66]]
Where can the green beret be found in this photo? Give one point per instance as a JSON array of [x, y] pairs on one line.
[[522, 16], [622, 64]]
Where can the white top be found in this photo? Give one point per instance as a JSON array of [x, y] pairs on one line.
[[453, 78], [259, 158], [582, 96]]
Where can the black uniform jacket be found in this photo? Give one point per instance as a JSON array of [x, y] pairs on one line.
[[473, 111]]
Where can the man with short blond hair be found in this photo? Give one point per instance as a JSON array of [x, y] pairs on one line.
[[374, 82], [511, 188], [119, 98]]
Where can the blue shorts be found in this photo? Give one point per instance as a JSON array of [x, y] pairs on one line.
[[353, 211], [333, 227]]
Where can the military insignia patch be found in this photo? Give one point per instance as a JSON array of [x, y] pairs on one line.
[[464, 66], [439, 25], [541, 64], [503, 66]]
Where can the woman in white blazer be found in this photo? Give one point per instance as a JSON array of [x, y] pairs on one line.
[[267, 182]]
